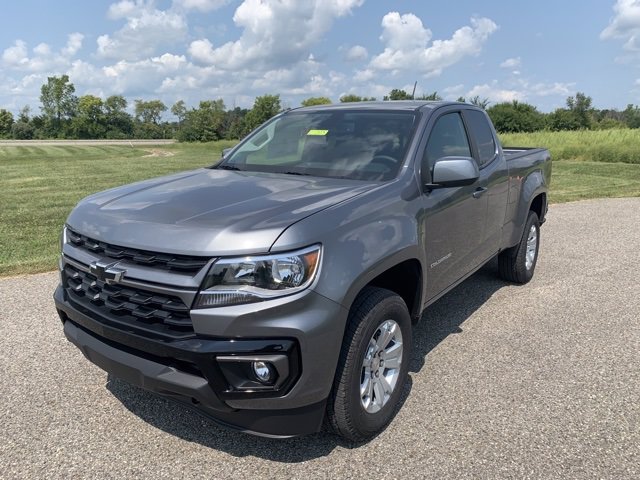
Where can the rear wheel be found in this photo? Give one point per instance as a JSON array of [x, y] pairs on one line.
[[517, 264], [373, 365]]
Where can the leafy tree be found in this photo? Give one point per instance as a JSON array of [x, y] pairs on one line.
[[204, 124], [234, 123], [148, 115], [580, 107], [118, 121], [608, 114], [397, 94], [150, 111], [90, 122], [516, 117], [179, 109], [24, 114], [480, 102], [430, 97], [631, 116], [22, 130], [58, 99], [311, 101], [6, 122], [461, 99], [564, 119], [609, 124], [350, 98], [263, 109]]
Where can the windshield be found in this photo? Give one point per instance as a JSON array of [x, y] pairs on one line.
[[340, 144]]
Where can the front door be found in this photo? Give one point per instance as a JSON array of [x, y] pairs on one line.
[[453, 218]]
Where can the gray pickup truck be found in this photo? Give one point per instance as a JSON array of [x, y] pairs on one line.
[[279, 287]]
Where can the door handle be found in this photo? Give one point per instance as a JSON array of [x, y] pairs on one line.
[[479, 191]]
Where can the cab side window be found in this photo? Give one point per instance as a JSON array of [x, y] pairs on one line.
[[483, 136], [448, 138]]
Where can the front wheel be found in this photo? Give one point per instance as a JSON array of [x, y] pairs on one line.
[[518, 263], [373, 365]]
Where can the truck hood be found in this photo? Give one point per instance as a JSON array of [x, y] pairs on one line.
[[208, 211]]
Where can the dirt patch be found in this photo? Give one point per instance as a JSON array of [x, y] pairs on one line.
[[157, 152]]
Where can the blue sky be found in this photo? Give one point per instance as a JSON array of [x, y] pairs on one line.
[[539, 52]]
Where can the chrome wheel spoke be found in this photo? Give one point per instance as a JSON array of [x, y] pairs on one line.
[[392, 356], [386, 388], [532, 244], [387, 329], [378, 394], [381, 366], [366, 386]]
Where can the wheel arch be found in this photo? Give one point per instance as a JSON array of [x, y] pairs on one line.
[[403, 275], [539, 206]]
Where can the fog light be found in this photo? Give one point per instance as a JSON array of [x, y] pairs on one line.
[[262, 371]]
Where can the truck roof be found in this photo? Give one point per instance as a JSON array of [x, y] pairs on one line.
[[403, 105]]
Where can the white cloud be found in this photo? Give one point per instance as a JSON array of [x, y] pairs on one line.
[[356, 53], [200, 5], [550, 89], [74, 44], [407, 44], [625, 24], [275, 33], [453, 92], [44, 59], [151, 53], [404, 32], [122, 9], [511, 63], [522, 90], [16, 55], [146, 29], [495, 94], [365, 75], [202, 51], [42, 49]]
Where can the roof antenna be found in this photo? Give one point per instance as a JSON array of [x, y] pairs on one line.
[[413, 94]]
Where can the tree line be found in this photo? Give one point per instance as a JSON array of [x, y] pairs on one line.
[[65, 115]]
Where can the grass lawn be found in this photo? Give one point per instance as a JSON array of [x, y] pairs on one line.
[[39, 185], [610, 146]]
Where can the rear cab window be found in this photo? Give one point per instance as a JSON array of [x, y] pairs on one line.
[[483, 136]]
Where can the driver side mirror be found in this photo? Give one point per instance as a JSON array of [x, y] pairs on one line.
[[225, 151], [454, 172]]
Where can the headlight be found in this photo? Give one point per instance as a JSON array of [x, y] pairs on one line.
[[233, 281]]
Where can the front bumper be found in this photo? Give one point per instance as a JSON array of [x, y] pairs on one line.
[[187, 370]]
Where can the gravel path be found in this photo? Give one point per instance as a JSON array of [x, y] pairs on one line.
[[539, 381]]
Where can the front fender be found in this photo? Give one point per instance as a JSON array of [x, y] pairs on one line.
[[361, 238]]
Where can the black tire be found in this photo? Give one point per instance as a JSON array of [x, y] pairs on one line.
[[513, 261], [345, 410]]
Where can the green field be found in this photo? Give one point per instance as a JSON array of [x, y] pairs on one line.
[[609, 146], [40, 185]]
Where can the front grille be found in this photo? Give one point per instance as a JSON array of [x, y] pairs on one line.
[[183, 263], [130, 307]]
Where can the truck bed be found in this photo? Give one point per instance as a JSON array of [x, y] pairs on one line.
[[518, 152]]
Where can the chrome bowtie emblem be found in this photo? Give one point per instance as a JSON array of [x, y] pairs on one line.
[[107, 271]]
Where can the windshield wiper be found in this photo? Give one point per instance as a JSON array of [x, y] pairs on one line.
[[295, 173], [229, 167]]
